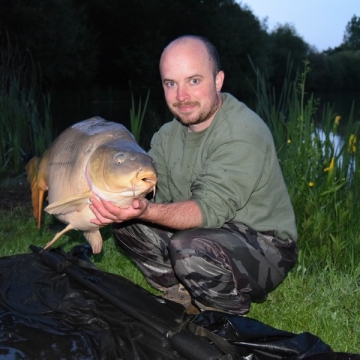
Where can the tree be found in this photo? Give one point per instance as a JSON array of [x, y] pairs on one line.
[[338, 69], [132, 35], [352, 34], [285, 45], [55, 34]]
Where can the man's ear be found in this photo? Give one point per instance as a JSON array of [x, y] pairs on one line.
[[219, 80]]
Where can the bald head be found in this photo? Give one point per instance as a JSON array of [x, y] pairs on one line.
[[196, 45]]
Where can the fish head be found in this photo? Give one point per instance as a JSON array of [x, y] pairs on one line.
[[121, 169]]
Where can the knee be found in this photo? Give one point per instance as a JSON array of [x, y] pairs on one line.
[[188, 244], [194, 252], [181, 240]]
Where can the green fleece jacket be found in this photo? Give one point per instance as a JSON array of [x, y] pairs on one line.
[[230, 169]]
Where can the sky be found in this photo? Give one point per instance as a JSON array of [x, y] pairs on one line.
[[321, 23]]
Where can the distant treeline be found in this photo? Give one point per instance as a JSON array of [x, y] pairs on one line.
[[78, 43]]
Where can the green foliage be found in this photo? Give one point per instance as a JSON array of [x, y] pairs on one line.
[[75, 43], [336, 72], [284, 42], [338, 69], [137, 117], [319, 169], [133, 56], [352, 34], [114, 42], [56, 35], [24, 131]]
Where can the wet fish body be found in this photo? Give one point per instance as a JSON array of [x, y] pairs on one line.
[[94, 157]]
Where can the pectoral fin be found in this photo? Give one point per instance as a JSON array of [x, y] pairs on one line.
[[95, 240], [70, 204]]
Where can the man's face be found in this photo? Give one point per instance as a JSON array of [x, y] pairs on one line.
[[192, 92]]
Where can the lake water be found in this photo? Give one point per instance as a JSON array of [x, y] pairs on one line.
[[341, 103]]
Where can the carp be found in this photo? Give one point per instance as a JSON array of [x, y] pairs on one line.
[[93, 157]]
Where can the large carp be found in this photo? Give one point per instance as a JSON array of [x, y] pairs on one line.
[[94, 157]]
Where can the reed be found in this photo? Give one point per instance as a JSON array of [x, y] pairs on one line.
[[25, 121], [137, 114], [319, 166]]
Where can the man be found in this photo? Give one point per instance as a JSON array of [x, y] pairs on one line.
[[221, 232]]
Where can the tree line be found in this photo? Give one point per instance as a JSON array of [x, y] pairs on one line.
[[78, 43]]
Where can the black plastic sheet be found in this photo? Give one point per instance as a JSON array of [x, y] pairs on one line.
[[55, 305]]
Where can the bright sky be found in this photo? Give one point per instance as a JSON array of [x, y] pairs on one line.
[[321, 23]]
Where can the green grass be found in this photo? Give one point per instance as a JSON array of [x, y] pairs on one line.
[[324, 303], [18, 231]]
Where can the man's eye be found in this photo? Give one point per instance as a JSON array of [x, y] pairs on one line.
[[170, 84], [194, 81]]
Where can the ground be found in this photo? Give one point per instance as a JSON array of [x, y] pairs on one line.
[[14, 192]]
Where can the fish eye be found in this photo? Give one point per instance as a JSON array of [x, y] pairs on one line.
[[119, 159]]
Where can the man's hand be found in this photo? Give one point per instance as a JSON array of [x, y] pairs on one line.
[[106, 212]]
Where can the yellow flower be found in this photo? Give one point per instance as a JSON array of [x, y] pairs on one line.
[[337, 119], [289, 141], [331, 165], [352, 143], [311, 184]]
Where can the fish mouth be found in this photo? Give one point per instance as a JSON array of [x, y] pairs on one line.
[[146, 180], [147, 177]]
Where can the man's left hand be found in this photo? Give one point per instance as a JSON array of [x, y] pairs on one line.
[[106, 212]]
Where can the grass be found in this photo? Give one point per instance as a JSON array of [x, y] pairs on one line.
[[321, 293], [18, 231], [324, 304]]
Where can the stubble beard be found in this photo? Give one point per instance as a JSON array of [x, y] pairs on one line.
[[205, 115]]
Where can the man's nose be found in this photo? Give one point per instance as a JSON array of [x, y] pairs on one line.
[[182, 93]]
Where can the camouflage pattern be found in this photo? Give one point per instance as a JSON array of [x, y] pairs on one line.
[[226, 268]]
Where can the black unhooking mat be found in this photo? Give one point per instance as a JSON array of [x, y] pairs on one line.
[[57, 305]]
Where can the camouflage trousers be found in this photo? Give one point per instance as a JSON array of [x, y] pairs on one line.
[[226, 268]]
